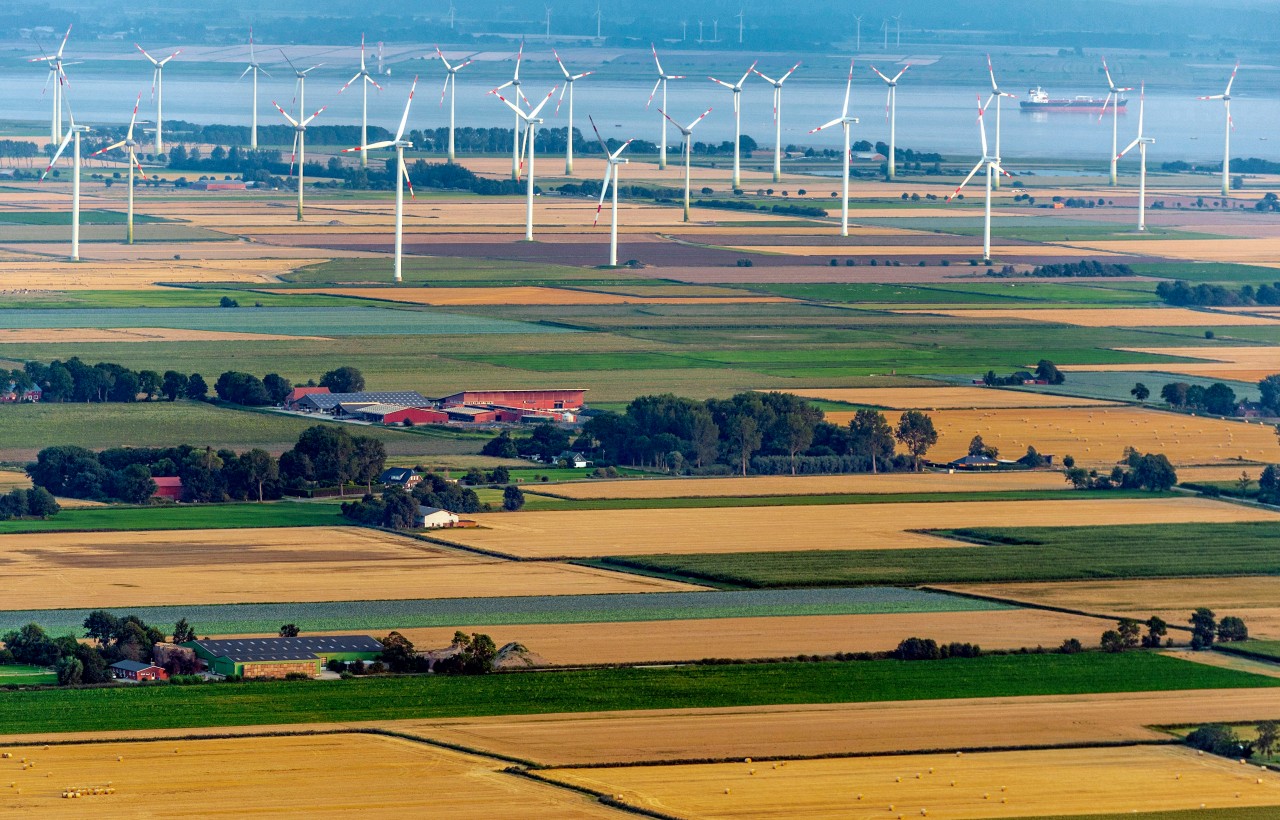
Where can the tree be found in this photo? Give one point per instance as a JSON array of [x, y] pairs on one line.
[[1217, 739], [329, 449], [398, 653], [1156, 630], [744, 439], [174, 385], [368, 458], [197, 390], [500, 446], [1175, 393], [1112, 642], [149, 384], [1204, 627], [1243, 482], [1140, 392], [258, 469], [475, 655], [183, 632], [871, 436], [70, 672], [1268, 735], [978, 447], [1049, 372], [290, 631], [915, 432], [101, 626], [1130, 631], [41, 503], [241, 388], [1152, 472], [32, 645], [799, 433], [512, 498], [1032, 459], [1269, 485], [1220, 399], [1231, 628], [134, 485], [1269, 394], [400, 509], [277, 387], [343, 380]]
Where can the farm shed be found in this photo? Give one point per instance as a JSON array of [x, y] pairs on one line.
[[556, 399], [328, 402], [167, 486], [133, 670], [434, 518], [399, 414], [974, 463], [473, 415], [278, 657], [296, 395]]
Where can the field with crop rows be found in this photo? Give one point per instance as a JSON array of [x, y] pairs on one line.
[[1248, 364], [1108, 317], [949, 398], [463, 296], [204, 516]]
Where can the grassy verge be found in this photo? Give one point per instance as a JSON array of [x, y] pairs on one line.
[[205, 516], [1262, 650], [998, 554], [147, 707]]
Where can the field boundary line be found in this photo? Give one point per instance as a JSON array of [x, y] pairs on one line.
[[604, 799], [1045, 607]]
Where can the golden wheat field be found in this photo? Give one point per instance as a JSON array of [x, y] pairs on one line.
[[581, 533], [526, 296], [306, 776], [773, 637], [1106, 317], [133, 334], [1262, 251], [981, 785], [1238, 363], [752, 486], [949, 398], [92, 275], [1254, 598], [1096, 437], [846, 728], [257, 565]]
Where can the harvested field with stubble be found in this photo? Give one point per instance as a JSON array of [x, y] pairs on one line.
[[1254, 598], [763, 486], [280, 777], [1096, 437], [836, 527], [47, 274], [845, 728], [991, 784], [948, 398], [1107, 317], [1238, 363], [84, 335], [455, 297], [781, 637], [73, 570]]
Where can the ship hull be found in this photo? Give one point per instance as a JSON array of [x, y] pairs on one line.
[[1079, 106]]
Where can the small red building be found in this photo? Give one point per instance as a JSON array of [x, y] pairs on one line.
[[133, 670], [558, 399], [417, 415], [168, 486]]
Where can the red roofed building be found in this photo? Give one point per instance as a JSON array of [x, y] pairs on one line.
[[570, 399], [169, 487], [296, 395]]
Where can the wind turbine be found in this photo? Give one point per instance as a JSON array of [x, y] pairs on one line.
[[663, 77], [548, 8], [300, 84], [843, 120], [451, 79], [157, 91], [687, 132], [992, 163], [1141, 141], [891, 114], [72, 137], [402, 175], [131, 152], [858, 18], [366, 81], [740, 25], [514, 83], [569, 80], [299, 146], [736, 88], [897, 22], [1113, 99], [255, 68], [531, 121], [1225, 96], [612, 162], [996, 94], [58, 75], [777, 119]]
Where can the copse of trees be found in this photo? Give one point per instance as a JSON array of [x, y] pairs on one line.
[[36, 502], [1217, 398], [1045, 371], [1184, 295], [1137, 471], [1086, 268], [112, 639]]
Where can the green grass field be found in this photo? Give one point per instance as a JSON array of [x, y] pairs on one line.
[[1207, 272], [453, 271], [1253, 648], [20, 674], [153, 707], [168, 298], [203, 516], [996, 293], [999, 554]]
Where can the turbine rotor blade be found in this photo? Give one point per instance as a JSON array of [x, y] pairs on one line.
[[404, 118], [604, 189], [653, 92], [975, 170]]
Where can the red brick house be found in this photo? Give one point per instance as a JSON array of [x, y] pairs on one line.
[[133, 670]]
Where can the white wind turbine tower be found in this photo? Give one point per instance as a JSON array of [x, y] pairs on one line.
[[451, 80], [992, 163], [687, 132], [736, 88], [131, 156], [548, 8], [858, 18], [611, 170], [255, 68], [157, 91], [72, 137], [996, 94], [1113, 99], [663, 77], [531, 123], [569, 80], [891, 113], [514, 83], [740, 25], [1225, 96], [402, 176], [777, 119], [365, 81], [58, 75], [299, 146], [1141, 141], [846, 121]]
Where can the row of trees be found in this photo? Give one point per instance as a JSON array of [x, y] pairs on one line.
[[1045, 371], [74, 381], [248, 390], [1217, 398], [1084, 268], [36, 502], [1203, 295]]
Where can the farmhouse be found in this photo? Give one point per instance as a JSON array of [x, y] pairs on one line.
[[974, 463], [133, 670], [279, 657], [167, 486], [433, 518], [576, 460], [13, 395], [399, 476]]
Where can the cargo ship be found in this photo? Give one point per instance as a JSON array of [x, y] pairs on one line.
[[1039, 100]]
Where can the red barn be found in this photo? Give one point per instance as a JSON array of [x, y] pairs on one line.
[[169, 487], [417, 415], [559, 399], [133, 670]]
